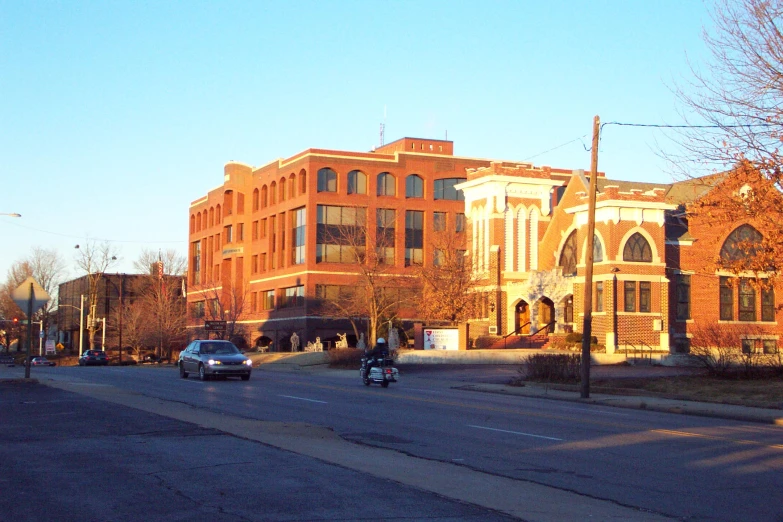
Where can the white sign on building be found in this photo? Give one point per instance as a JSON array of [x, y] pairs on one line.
[[441, 339]]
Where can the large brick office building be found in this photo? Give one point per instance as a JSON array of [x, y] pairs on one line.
[[525, 228]]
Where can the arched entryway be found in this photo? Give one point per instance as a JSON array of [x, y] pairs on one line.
[[522, 318], [546, 313]]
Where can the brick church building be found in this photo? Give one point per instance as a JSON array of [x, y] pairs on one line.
[[654, 277]]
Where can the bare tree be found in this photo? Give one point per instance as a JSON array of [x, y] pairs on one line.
[[94, 259], [376, 291], [173, 262], [47, 268], [735, 102], [449, 281], [225, 303]]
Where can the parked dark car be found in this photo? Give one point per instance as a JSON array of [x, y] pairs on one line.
[[93, 358], [213, 358], [42, 361]]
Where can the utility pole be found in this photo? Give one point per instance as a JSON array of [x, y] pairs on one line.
[[587, 324]]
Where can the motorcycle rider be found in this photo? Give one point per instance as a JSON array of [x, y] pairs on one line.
[[380, 350]]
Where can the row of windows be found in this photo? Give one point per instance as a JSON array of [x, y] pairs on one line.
[[637, 249], [631, 290], [386, 185], [285, 188]]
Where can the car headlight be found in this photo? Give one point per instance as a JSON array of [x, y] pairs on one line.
[[213, 362], [249, 362]]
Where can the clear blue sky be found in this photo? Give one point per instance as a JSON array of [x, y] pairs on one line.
[[114, 116]]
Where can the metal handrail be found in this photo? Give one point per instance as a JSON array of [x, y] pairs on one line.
[[513, 333], [545, 327]]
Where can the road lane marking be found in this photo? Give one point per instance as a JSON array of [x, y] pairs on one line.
[[513, 432], [302, 399], [690, 434]]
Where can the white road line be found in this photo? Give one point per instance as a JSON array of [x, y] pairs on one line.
[[599, 412], [302, 399], [513, 432]]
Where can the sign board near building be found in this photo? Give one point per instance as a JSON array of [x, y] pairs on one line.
[[441, 339], [50, 348], [215, 326]]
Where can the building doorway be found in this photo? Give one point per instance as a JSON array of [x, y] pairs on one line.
[[546, 313], [522, 314]]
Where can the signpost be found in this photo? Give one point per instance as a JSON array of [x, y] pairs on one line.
[[215, 326], [32, 296]]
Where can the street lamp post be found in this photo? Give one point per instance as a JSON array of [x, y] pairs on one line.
[[81, 320]]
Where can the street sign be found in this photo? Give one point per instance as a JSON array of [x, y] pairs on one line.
[[21, 295], [215, 326], [41, 334], [51, 349]]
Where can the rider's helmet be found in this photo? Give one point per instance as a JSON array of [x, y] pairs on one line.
[[381, 341]]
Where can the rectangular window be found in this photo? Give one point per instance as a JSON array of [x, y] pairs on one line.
[[437, 257], [240, 232], [198, 309], [414, 237], [268, 299], [272, 240], [683, 297], [228, 235], [294, 296], [262, 229], [385, 235], [253, 301], [254, 264], [599, 296], [439, 221], [726, 299], [747, 300], [255, 230], [340, 234], [298, 235], [768, 304], [196, 255], [460, 224], [644, 296], [331, 292], [748, 345], [262, 262], [770, 346], [629, 292]]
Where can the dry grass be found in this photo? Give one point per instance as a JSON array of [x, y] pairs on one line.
[[761, 393]]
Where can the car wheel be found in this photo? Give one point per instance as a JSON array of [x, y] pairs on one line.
[[246, 377], [202, 374], [182, 372], [366, 381]]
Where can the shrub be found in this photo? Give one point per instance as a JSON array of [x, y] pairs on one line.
[[554, 368], [345, 358], [576, 338]]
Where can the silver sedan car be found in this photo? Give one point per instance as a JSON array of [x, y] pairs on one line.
[[212, 358]]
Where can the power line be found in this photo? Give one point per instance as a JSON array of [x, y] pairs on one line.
[[91, 238], [555, 148], [665, 126]]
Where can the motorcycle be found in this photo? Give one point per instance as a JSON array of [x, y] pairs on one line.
[[381, 373]]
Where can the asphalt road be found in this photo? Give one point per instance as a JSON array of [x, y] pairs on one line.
[[652, 465]]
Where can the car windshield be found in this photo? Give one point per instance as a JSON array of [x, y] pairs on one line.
[[218, 348]]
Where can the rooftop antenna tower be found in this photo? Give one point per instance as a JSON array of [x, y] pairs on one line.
[[383, 127]]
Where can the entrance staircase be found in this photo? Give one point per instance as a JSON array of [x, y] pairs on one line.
[[537, 341]]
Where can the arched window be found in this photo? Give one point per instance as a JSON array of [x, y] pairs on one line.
[[386, 184], [598, 250], [255, 200], [272, 193], [218, 215], [568, 255], [357, 182], [327, 180], [637, 249], [741, 244], [414, 186], [292, 186], [192, 223], [211, 216], [264, 198], [303, 181], [282, 189]]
